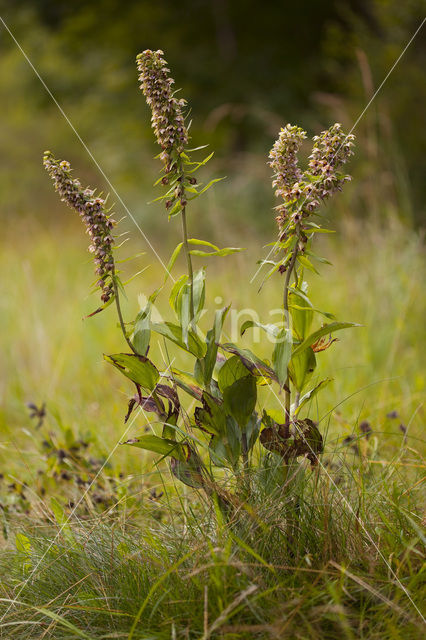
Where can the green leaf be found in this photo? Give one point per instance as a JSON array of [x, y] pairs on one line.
[[141, 331], [302, 320], [231, 371], [225, 450], [23, 544], [312, 393], [163, 446], [138, 368], [175, 297], [187, 383], [252, 430], [199, 291], [326, 329], [240, 399], [189, 471], [211, 416], [208, 185], [316, 257], [61, 519], [203, 243], [219, 253], [270, 329], [169, 268], [173, 332], [305, 262], [212, 338], [282, 354], [326, 314], [301, 368], [254, 364]]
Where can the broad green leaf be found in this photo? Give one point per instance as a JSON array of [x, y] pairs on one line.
[[252, 430], [301, 368], [211, 416], [185, 312], [312, 393], [199, 291], [173, 332], [225, 450], [138, 368], [163, 446], [250, 360], [240, 399], [302, 320], [282, 354], [231, 371], [175, 297], [212, 338], [327, 328], [186, 382], [141, 331]]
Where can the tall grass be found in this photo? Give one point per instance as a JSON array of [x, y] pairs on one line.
[[333, 556]]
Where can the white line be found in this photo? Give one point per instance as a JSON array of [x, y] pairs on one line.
[[358, 119], [86, 148]]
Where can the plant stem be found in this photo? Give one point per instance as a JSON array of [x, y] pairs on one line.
[[120, 315], [290, 268], [189, 264]]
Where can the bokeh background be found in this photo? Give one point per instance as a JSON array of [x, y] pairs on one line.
[[246, 68]]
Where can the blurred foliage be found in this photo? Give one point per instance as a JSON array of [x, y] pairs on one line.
[[246, 69]]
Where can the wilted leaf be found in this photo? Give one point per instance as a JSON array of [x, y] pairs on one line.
[[327, 328]]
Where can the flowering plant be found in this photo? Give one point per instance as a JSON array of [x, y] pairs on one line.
[[219, 437]]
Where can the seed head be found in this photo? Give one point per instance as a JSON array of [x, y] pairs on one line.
[[167, 118], [303, 193], [93, 213]]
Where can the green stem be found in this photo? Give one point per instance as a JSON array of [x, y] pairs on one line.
[[185, 242], [189, 264], [290, 268], [119, 313]]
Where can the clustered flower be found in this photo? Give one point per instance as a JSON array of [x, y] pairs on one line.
[[94, 215], [303, 193], [167, 118]]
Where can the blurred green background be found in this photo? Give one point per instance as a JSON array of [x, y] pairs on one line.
[[246, 68]]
